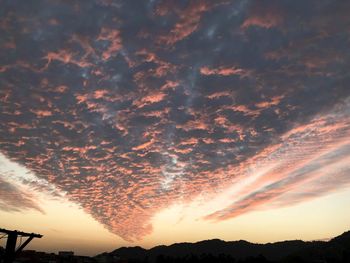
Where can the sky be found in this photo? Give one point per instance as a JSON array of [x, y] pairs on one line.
[[150, 122]]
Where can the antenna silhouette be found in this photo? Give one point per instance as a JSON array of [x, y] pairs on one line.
[[10, 251]]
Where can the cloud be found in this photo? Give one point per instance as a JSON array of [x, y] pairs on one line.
[[264, 14], [113, 37], [188, 19], [297, 160], [13, 199], [223, 71], [128, 108]]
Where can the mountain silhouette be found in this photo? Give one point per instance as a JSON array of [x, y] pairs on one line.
[[334, 250]]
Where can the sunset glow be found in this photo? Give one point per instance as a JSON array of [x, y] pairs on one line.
[[129, 123]]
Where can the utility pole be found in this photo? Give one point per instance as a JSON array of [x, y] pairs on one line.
[[11, 251]]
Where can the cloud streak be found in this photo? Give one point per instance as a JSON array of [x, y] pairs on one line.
[[298, 161], [13, 199]]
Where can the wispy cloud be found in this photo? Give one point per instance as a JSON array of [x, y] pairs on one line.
[[13, 199], [308, 155]]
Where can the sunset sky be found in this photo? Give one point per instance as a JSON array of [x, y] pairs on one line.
[[148, 122]]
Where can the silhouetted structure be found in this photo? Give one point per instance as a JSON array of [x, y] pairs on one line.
[[10, 251]]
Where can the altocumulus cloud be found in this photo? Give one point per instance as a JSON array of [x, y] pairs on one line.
[[130, 106]]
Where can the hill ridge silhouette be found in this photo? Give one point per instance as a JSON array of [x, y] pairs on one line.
[[335, 249]]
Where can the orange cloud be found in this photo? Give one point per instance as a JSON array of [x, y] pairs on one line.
[[42, 113], [66, 57], [114, 39], [264, 14], [150, 99], [143, 146], [188, 21], [224, 71], [272, 102]]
